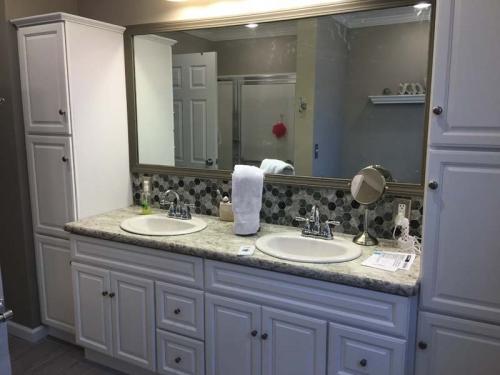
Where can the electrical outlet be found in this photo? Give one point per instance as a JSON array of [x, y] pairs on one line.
[[402, 205]]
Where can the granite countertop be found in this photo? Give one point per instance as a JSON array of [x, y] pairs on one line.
[[218, 242]]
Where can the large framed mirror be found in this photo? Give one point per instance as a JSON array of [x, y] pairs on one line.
[[310, 96]]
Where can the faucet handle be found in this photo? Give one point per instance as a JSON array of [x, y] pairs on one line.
[[332, 222], [329, 228]]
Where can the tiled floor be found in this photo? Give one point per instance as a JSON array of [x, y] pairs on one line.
[[51, 357]]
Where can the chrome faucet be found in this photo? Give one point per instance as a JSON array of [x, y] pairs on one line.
[[314, 228], [177, 209]]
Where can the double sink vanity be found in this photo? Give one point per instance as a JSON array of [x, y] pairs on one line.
[[187, 303]]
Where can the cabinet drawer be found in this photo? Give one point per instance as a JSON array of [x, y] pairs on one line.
[[372, 310], [180, 309], [178, 355], [354, 351], [157, 264]]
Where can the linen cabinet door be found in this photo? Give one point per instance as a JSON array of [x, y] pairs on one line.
[[91, 286], [54, 282], [50, 172], [232, 339], [132, 305], [465, 78], [452, 346], [44, 83], [460, 262], [292, 344]]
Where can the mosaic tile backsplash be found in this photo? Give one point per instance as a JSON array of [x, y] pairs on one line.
[[281, 204]]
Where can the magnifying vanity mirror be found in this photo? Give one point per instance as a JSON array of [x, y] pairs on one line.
[[310, 100], [367, 187]]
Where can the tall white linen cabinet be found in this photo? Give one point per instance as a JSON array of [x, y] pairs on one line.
[[74, 104], [459, 317]]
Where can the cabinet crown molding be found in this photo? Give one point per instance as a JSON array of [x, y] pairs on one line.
[[64, 17]]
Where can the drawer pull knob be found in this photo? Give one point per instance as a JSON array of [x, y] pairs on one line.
[[62, 112], [264, 336], [363, 362], [104, 293], [433, 185], [64, 159], [178, 360], [111, 295], [177, 311], [437, 110], [422, 345], [254, 333]]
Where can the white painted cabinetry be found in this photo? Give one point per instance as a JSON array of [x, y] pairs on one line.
[[115, 314], [42, 59], [74, 106], [50, 172], [459, 320], [238, 320]]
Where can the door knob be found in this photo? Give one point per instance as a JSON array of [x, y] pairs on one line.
[[178, 360], [264, 336], [422, 345], [363, 362], [177, 311], [5, 314], [64, 159], [433, 185], [62, 112], [111, 295], [254, 333], [437, 110], [209, 162], [104, 293]]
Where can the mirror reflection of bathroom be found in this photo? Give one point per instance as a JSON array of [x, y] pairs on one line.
[[318, 97]]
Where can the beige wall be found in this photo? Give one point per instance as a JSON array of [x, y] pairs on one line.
[[129, 12], [25, 8]]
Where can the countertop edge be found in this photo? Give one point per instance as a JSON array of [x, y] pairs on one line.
[[276, 265]]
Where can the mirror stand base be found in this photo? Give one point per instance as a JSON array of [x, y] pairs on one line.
[[365, 239]]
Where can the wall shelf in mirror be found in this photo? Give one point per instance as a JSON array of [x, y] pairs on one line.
[[397, 99]]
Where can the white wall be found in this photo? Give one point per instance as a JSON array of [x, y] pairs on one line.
[[155, 111]]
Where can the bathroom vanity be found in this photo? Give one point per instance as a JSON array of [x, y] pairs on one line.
[[189, 305]]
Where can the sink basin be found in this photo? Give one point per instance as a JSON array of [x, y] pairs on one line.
[[292, 246], [162, 225]]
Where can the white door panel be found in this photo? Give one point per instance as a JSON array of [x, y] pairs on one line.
[[294, 345], [230, 346], [460, 268], [50, 172], [465, 74], [133, 319], [54, 282], [42, 58], [91, 286], [195, 109], [456, 346]]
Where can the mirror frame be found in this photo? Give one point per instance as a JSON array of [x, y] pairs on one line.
[[344, 6]]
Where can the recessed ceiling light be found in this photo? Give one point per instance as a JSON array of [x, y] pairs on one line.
[[422, 5], [252, 25]]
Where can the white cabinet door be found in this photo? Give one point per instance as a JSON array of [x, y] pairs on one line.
[[452, 346], [460, 274], [232, 339], [465, 74], [91, 286], [353, 351], [292, 344], [50, 173], [54, 282], [44, 84], [133, 307]]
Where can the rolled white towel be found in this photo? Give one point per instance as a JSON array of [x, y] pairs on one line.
[[276, 166], [247, 184]]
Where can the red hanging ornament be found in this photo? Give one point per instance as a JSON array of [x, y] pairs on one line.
[[279, 129]]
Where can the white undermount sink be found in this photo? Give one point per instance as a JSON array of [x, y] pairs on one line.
[[162, 225], [292, 246]]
